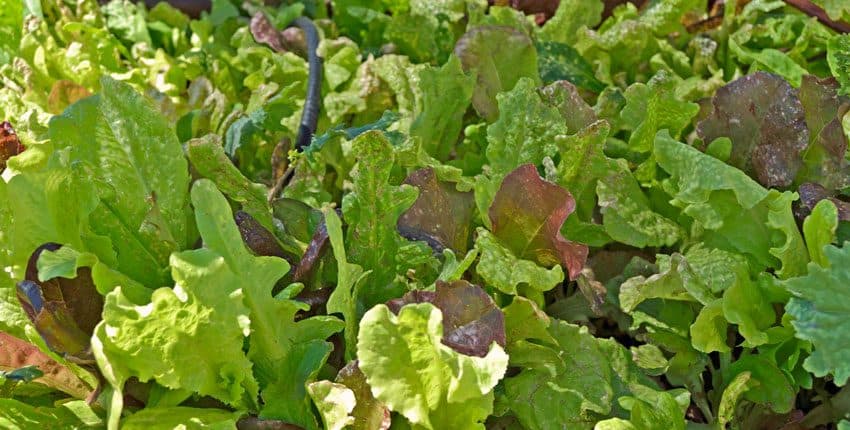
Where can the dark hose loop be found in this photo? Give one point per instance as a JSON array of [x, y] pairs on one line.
[[310, 114]]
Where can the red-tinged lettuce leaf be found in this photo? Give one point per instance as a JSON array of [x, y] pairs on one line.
[[441, 215], [265, 32], [10, 145], [15, 353], [498, 56], [259, 240], [254, 423], [315, 250], [811, 194], [762, 115], [369, 413], [415, 296], [527, 215], [471, 320], [824, 161], [531, 7], [63, 310]]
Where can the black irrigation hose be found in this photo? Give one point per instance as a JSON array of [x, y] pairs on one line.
[[310, 113], [312, 103]]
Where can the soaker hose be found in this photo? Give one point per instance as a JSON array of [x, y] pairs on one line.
[[310, 112]]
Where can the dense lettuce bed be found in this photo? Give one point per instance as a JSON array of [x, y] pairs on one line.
[[628, 218]]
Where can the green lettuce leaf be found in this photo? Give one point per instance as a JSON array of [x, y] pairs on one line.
[[414, 374], [208, 158], [343, 299], [177, 416], [626, 212], [168, 340], [722, 200], [446, 95], [372, 211], [819, 229], [286, 354], [503, 270], [838, 57], [139, 172], [661, 412], [551, 390], [499, 57], [570, 19], [817, 313], [76, 415], [655, 106], [335, 403]]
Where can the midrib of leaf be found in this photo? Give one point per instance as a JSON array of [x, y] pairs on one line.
[[133, 163], [133, 233]]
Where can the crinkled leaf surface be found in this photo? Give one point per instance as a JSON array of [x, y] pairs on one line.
[[372, 211], [627, 215], [169, 339], [654, 106], [818, 313], [573, 108], [414, 374], [838, 57], [824, 161], [736, 213], [446, 95], [569, 19], [762, 115], [471, 320], [568, 376], [502, 269], [526, 132], [583, 163], [335, 403], [678, 282]]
